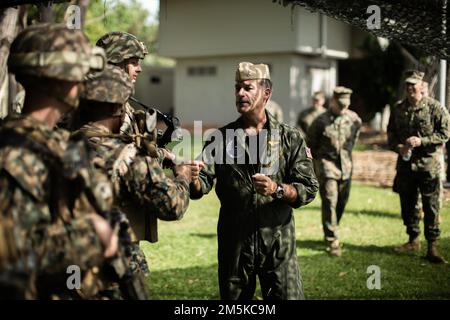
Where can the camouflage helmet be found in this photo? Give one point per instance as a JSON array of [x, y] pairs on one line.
[[120, 46], [54, 51], [112, 85]]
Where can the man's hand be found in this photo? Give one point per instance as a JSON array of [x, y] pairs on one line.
[[263, 184], [404, 149], [167, 154], [106, 235], [414, 141], [196, 166], [182, 170]]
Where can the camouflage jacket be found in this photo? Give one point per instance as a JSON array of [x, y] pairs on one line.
[[307, 117], [331, 139], [253, 227], [428, 121], [139, 181], [131, 128], [48, 208], [129, 125]]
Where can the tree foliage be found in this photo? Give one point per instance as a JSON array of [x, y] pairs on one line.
[[110, 15], [376, 78], [113, 15]]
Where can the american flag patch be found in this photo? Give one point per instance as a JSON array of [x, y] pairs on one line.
[[308, 153]]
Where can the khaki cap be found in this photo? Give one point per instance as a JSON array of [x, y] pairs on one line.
[[414, 76], [250, 71], [342, 94]]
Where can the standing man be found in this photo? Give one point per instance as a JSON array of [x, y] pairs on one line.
[[307, 117], [125, 51], [331, 138], [256, 231], [141, 186], [48, 223], [139, 180], [417, 128]]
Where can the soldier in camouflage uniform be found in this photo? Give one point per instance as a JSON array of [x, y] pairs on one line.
[[417, 128], [307, 117], [331, 138], [125, 51], [48, 218], [256, 231], [140, 184]]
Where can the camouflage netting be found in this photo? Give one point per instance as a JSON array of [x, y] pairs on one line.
[[420, 23]]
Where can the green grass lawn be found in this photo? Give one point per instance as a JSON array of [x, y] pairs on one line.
[[183, 263]]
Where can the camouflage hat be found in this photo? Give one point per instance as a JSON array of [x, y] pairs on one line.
[[112, 85], [342, 94], [120, 46], [54, 51], [414, 76], [250, 71]]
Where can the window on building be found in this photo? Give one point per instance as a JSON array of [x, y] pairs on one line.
[[201, 71], [155, 80]]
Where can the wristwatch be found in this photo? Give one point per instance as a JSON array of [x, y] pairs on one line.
[[279, 192]]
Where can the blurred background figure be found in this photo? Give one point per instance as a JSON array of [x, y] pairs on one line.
[[306, 117], [331, 138], [275, 109]]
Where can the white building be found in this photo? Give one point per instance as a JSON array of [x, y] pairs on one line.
[[154, 87], [208, 38]]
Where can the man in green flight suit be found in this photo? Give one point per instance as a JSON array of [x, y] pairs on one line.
[[267, 171]]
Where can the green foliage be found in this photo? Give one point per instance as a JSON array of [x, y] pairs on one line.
[[103, 16], [376, 77], [113, 15], [183, 263]]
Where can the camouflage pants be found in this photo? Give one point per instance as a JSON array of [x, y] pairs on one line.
[[409, 184], [334, 195], [138, 262]]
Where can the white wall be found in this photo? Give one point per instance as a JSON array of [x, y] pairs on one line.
[[190, 28], [152, 93], [193, 28], [223, 33], [211, 98]]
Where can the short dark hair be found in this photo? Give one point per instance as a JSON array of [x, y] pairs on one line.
[[266, 83]]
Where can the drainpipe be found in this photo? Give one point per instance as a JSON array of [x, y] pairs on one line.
[[443, 82], [323, 34]]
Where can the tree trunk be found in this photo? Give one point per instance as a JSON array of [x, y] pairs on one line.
[[8, 30], [46, 13], [83, 4]]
